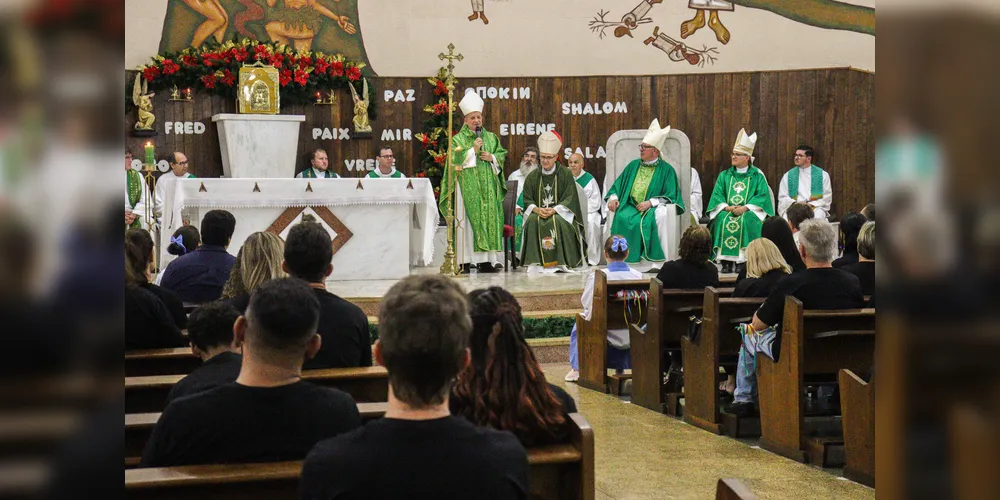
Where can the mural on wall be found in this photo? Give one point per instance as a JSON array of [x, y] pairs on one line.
[[478, 12], [328, 26]]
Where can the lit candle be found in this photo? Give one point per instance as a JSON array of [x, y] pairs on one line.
[[319, 98], [188, 92], [150, 154]]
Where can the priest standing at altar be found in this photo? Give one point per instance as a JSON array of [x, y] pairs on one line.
[[479, 189], [739, 204], [553, 220], [806, 183], [136, 196], [639, 198], [319, 167]]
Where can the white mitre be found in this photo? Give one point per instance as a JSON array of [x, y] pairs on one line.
[[656, 136], [549, 143], [745, 143], [471, 103]]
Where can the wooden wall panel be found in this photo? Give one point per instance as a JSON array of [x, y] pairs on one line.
[[831, 109]]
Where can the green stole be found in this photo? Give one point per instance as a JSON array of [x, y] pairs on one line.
[[643, 182], [816, 181], [133, 182], [729, 233], [482, 190], [584, 180], [310, 173], [552, 242], [375, 175]]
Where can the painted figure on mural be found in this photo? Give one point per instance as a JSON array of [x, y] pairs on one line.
[[477, 12], [713, 7], [215, 24], [295, 22]]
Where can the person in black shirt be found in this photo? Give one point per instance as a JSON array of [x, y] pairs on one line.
[[198, 277], [343, 325], [419, 450], [504, 387], [818, 287], [850, 226], [864, 268], [776, 229], [269, 414], [798, 213], [211, 336], [765, 267], [149, 323], [693, 270], [139, 260]]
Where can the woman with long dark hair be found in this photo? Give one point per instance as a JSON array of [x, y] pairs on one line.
[[152, 313], [850, 227], [504, 387]]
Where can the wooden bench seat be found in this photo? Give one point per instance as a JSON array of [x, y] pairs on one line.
[[367, 384], [176, 361], [608, 312], [718, 337], [733, 489], [812, 342], [564, 471]]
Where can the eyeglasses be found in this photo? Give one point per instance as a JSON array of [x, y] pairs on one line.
[[643, 147], [548, 158]]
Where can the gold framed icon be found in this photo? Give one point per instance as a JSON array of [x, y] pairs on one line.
[[259, 91]]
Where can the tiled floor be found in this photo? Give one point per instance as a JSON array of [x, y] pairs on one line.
[[645, 455]]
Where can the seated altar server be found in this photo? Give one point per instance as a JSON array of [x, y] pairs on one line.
[[529, 162], [696, 200], [739, 204], [553, 220], [320, 168], [805, 183], [593, 206], [647, 183], [386, 169]]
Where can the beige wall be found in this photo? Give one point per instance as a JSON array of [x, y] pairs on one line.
[[552, 38]]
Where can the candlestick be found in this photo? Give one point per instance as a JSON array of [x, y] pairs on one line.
[[319, 98], [188, 93], [150, 154]]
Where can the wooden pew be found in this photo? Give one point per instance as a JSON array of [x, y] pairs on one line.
[[669, 314], [139, 426], [562, 472], [608, 312], [812, 342], [176, 361], [368, 384], [701, 356], [857, 407], [733, 489]]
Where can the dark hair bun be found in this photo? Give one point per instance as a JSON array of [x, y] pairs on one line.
[[175, 249]]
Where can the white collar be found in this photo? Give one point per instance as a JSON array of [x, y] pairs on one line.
[[548, 172], [742, 170], [379, 172], [650, 163]]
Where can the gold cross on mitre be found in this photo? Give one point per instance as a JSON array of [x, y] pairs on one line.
[[451, 56]]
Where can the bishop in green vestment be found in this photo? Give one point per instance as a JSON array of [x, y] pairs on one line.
[[739, 204], [553, 221], [477, 158], [638, 198]]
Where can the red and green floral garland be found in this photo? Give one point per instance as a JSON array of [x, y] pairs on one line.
[[214, 68], [434, 141]]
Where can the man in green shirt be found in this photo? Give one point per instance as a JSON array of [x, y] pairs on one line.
[[639, 198], [478, 189], [319, 167], [386, 168]]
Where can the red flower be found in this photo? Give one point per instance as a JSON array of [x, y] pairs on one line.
[[209, 80], [440, 89], [260, 52], [439, 159], [189, 60], [170, 67], [305, 62], [425, 140], [277, 60], [321, 66], [228, 78], [337, 69], [285, 76], [354, 74], [150, 73], [239, 53], [421, 174], [301, 77], [441, 108]]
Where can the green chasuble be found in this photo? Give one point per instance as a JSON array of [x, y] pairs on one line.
[[133, 185], [731, 234], [638, 183], [310, 173], [396, 174], [482, 190], [552, 242]]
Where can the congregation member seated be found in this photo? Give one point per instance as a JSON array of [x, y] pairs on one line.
[[269, 414], [765, 267], [343, 325], [419, 450], [864, 268], [850, 226], [820, 286], [258, 261], [616, 250], [210, 330], [185, 240], [869, 212], [693, 270], [140, 259], [198, 277], [796, 214], [148, 322], [504, 387], [777, 231]]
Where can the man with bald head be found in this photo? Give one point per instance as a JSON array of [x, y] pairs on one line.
[[591, 204], [179, 169]]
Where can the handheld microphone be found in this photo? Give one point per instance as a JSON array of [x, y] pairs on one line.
[[479, 131]]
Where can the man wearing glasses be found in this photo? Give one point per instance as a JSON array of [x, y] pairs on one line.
[[739, 204], [805, 183], [638, 200], [178, 170], [386, 168]]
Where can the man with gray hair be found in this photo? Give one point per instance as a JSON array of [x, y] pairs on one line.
[[820, 286]]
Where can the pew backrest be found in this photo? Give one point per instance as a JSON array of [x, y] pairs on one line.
[[176, 361]]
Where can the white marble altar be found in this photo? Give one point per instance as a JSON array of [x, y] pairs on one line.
[[258, 146], [380, 227]]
